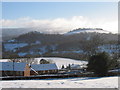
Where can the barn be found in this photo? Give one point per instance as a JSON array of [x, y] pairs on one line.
[[24, 69]]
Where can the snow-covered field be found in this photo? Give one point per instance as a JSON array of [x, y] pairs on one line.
[[63, 61], [105, 82]]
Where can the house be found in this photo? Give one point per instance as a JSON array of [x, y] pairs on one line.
[[43, 69], [75, 68], [12, 69], [24, 69]]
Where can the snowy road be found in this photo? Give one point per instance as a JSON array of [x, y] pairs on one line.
[[105, 82]]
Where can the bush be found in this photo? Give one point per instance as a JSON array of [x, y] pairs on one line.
[[99, 64], [43, 61]]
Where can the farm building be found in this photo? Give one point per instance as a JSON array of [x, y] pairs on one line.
[[23, 69]]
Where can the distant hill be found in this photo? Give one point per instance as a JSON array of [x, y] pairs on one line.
[[40, 44], [9, 33]]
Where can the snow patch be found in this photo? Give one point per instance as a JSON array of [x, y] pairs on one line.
[[11, 46], [22, 54]]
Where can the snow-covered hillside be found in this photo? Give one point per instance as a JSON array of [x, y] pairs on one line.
[[88, 30], [63, 61], [105, 82]]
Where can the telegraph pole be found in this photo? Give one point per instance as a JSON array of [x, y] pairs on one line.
[[13, 68]]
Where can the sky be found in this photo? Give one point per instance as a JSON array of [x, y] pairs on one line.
[[60, 16]]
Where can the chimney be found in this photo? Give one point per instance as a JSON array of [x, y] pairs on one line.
[[27, 70]]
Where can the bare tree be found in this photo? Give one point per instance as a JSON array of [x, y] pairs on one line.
[[28, 60], [90, 44]]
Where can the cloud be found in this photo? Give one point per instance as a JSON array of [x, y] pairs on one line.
[[61, 25]]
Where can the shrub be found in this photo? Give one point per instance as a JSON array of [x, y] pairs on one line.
[[99, 64]]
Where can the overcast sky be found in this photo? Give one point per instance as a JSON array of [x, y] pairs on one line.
[[60, 16]]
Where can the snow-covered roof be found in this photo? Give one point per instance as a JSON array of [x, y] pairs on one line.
[[40, 67], [8, 66]]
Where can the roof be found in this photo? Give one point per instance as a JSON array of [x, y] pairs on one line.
[[75, 66], [40, 67], [8, 66]]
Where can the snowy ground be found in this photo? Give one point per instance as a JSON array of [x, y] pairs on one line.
[[105, 82]]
